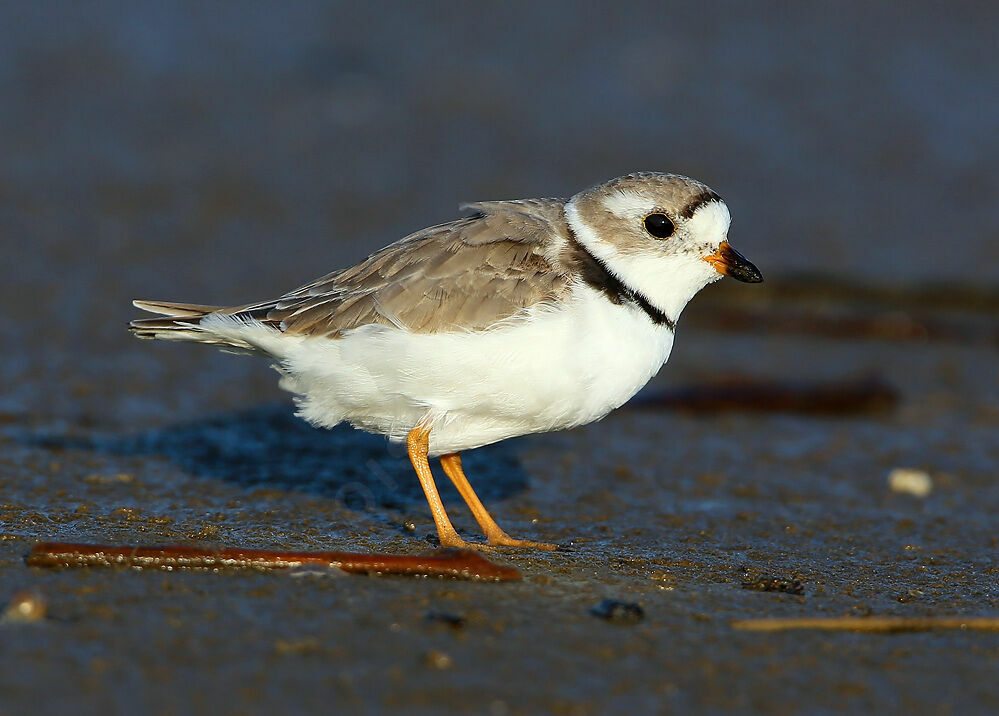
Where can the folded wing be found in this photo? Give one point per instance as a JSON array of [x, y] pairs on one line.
[[467, 274]]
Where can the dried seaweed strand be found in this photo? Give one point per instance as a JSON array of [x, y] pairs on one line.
[[863, 396], [460, 564], [868, 624]]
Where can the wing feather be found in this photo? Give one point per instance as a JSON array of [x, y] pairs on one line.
[[468, 274]]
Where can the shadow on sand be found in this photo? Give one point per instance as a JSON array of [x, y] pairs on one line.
[[269, 446]]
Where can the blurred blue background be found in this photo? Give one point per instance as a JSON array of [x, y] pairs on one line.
[[226, 152]]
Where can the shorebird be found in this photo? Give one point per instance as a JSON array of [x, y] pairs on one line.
[[523, 317]]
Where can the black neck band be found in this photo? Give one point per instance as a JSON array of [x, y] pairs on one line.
[[596, 275]]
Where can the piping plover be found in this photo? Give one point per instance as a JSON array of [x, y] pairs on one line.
[[524, 317]]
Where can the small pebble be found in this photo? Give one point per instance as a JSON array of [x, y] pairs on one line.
[[454, 621], [25, 606], [911, 482], [437, 660], [615, 610]]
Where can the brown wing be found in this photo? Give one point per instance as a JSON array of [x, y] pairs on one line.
[[464, 275]]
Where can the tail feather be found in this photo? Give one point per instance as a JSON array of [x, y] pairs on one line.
[[174, 322], [230, 328], [175, 310]]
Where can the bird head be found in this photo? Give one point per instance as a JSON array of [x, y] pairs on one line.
[[664, 235]]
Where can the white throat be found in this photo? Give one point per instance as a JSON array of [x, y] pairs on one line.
[[668, 282]]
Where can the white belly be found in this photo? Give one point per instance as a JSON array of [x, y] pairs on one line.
[[558, 369]]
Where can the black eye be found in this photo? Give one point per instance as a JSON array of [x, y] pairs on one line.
[[659, 226]]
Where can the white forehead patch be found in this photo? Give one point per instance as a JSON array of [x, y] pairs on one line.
[[710, 222], [626, 204]]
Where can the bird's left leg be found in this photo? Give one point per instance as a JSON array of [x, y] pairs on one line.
[[494, 533]]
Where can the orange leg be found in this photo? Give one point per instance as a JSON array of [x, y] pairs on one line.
[[494, 533], [418, 444]]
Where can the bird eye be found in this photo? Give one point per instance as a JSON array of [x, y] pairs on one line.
[[659, 225]]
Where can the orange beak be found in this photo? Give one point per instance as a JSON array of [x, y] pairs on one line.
[[729, 262]]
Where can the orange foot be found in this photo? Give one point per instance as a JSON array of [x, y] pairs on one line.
[[495, 542], [505, 540]]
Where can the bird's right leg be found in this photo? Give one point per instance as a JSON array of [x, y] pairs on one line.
[[418, 445]]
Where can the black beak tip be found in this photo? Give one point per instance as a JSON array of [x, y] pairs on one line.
[[748, 274], [741, 268]]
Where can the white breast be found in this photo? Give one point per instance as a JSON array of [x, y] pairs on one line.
[[556, 369]]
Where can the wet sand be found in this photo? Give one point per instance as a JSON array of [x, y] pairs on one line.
[[218, 157]]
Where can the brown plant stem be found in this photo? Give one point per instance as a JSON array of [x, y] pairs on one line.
[[862, 396], [868, 624], [459, 564]]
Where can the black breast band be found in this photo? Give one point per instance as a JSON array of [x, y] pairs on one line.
[[596, 275]]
